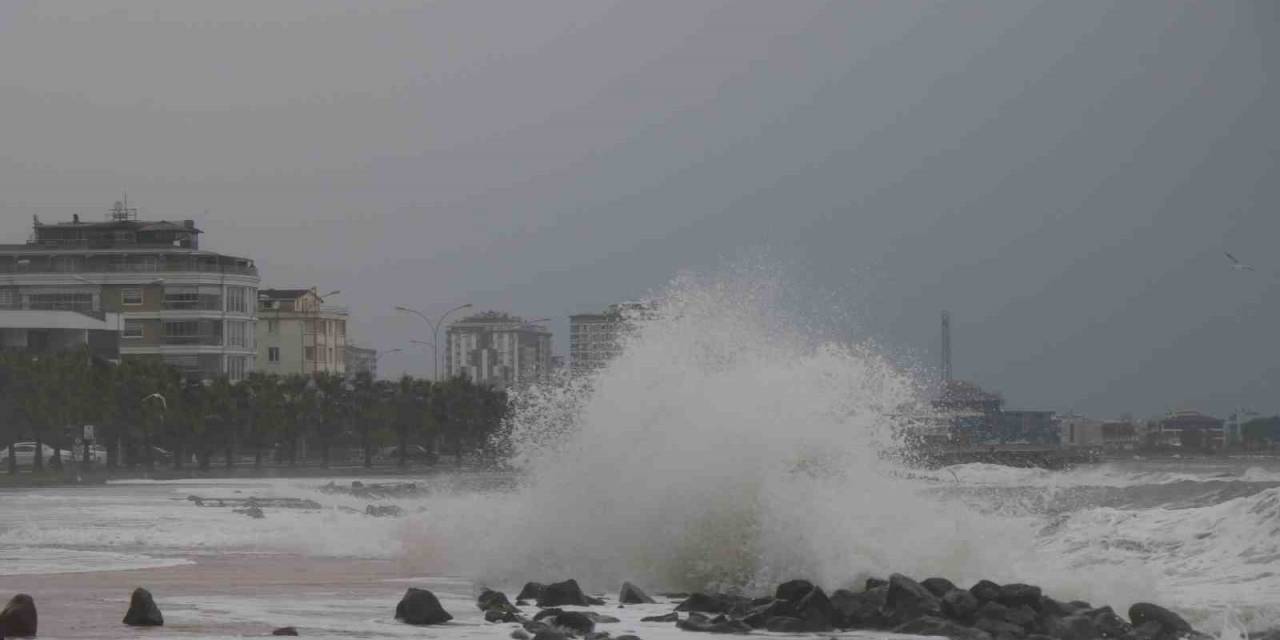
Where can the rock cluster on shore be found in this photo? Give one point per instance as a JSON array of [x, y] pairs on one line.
[[932, 607]]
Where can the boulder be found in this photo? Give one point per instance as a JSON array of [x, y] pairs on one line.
[[285, 631], [1108, 623], [666, 617], [631, 594], [547, 613], [597, 635], [18, 619], [1151, 630], [985, 590], [520, 634], [627, 637], [859, 610], [908, 600], [490, 599], [575, 621], [713, 603], [783, 624], [600, 618], [534, 626], [1073, 627], [1143, 612], [793, 590], [253, 511], [421, 607], [935, 626], [718, 624], [566, 593], [143, 611], [499, 614], [959, 604], [761, 613], [873, 583], [1015, 595], [1000, 628], [531, 591], [816, 611], [938, 586], [551, 634]]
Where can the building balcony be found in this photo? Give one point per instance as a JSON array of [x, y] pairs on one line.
[[198, 340], [149, 263]]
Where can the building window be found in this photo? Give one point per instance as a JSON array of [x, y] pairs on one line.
[[235, 367], [8, 299], [61, 301], [131, 296], [237, 299], [236, 334], [273, 354], [322, 353], [133, 328], [309, 353]]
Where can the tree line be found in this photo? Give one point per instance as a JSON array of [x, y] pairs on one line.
[[147, 412]]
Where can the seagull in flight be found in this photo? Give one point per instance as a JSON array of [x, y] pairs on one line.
[[1236, 264], [163, 402]]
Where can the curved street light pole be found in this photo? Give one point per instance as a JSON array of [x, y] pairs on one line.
[[435, 333]]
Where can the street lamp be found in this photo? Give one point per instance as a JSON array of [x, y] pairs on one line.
[[435, 333]]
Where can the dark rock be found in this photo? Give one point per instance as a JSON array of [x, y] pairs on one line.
[[597, 635], [959, 604], [600, 618], [1000, 628], [143, 611], [860, 610], [567, 592], [1023, 616], [783, 624], [935, 626], [531, 591], [285, 631], [1080, 604], [1049, 606], [816, 610], [667, 617], [534, 626], [873, 583], [547, 613], [760, 613], [1108, 623], [908, 600], [521, 603], [575, 621], [253, 511], [420, 607], [1149, 630], [714, 603], [985, 590], [938, 586], [18, 619], [1014, 595], [490, 599], [1143, 612], [500, 614], [1073, 627], [551, 634], [627, 637], [993, 610], [631, 594], [520, 634], [718, 624], [793, 590]]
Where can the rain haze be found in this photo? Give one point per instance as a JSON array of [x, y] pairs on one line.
[[1063, 177]]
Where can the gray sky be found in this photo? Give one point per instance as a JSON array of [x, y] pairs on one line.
[[1062, 176]]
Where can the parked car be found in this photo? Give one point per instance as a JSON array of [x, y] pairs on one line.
[[25, 453]]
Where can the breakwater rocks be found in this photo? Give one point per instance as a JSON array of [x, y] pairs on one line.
[[932, 607]]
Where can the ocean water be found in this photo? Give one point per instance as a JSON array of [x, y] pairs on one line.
[[729, 447]]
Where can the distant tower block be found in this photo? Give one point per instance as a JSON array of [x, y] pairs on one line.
[[946, 346]]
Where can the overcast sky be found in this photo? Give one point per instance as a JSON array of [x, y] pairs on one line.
[[1062, 176]]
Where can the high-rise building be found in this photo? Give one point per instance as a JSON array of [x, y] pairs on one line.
[[191, 308], [498, 349], [596, 338], [299, 334]]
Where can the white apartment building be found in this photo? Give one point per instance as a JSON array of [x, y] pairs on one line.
[[498, 349], [596, 338], [299, 334], [191, 308]]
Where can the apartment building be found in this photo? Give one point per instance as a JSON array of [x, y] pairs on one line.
[[362, 360], [299, 334], [596, 338], [498, 349], [189, 307]]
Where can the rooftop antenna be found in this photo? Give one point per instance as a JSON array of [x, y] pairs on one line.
[[121, 211], [946, 347]]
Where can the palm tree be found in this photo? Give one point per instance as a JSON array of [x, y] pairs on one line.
[[331, 398]]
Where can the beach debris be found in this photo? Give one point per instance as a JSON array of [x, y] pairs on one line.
[[143, 611], [285, 631]]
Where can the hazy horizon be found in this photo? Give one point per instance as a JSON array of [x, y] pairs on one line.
[[1064, 178]]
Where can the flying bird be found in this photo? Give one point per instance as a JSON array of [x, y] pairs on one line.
[[159, 397], [1236, 264]]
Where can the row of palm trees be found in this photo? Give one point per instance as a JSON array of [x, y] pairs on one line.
[[146, 409]]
